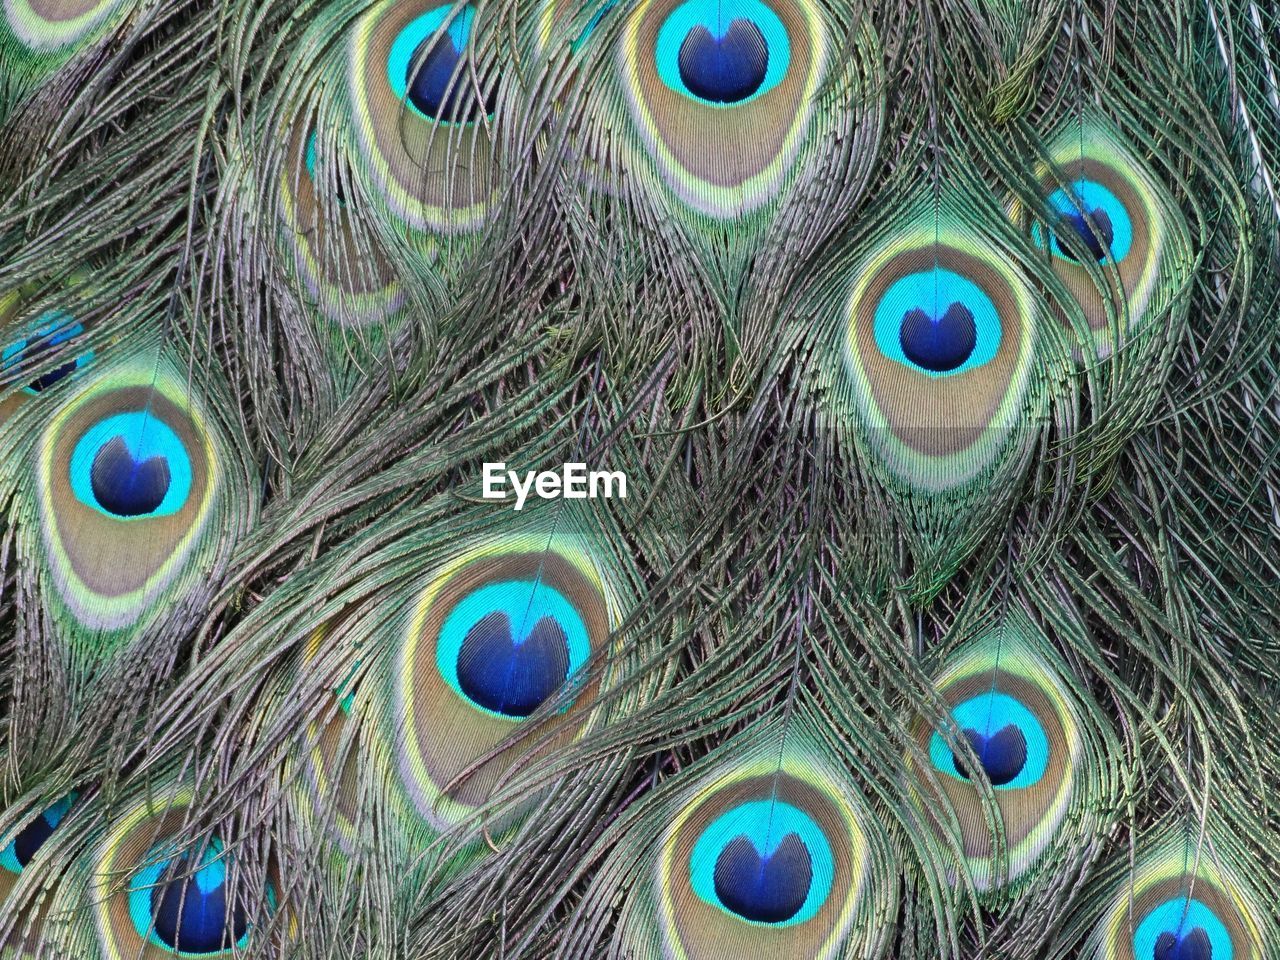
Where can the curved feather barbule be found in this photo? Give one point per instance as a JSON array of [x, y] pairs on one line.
[[1114, 235], [1033, 735], [327, 785], [763, 850], [939, 348], [1185, 900], [341, 270]]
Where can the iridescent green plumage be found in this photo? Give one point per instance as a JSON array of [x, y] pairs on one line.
[[936, 343]]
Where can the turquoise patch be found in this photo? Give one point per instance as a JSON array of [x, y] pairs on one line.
[[765, 823], [1180, 917], [987, 714], [311, 155], [716, 16], [51, 329], [524, 602], [590, 28], [145, 435], [408, 40], [1085, 196], [933, 291]]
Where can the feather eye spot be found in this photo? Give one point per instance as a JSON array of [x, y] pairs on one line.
[[131, 466], [1182, 929], [54, 333], [23, 847], [765, 862], [722, 57], [184, 911], [510, 674], [938, 352], [510, 646], [500, 634], [1097, 218], [428, 68], [54, 29], [723, 97], [939, 322], [1009, 741]]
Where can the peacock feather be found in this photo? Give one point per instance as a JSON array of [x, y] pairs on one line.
[[1038, 746], [1107, 212], [772, 852], [132, 494], [639, 479], [40, 36]]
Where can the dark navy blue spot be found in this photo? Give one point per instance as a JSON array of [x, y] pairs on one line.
[[31, 839], [30, 352], [443, 88], [125, 487], [725, 69], [50, 377], [940, 344], [1094, 230], [768, 889], [1194, 945], [1002, 755], [512, 678], [192, 920]]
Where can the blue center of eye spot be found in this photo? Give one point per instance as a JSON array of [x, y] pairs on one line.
[[508, 647], [722, 54], [52, 331], [1094, 229], [1002, 755], [938, 322], [765, 888], [1193, 945], [425, 67], [764, 861], [1009, 740], [186, 912], [131, 466], [938, 344], [1182, 929], [509, 677], [32, 837], [127, 487], [1096, 216], [724, 69]]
